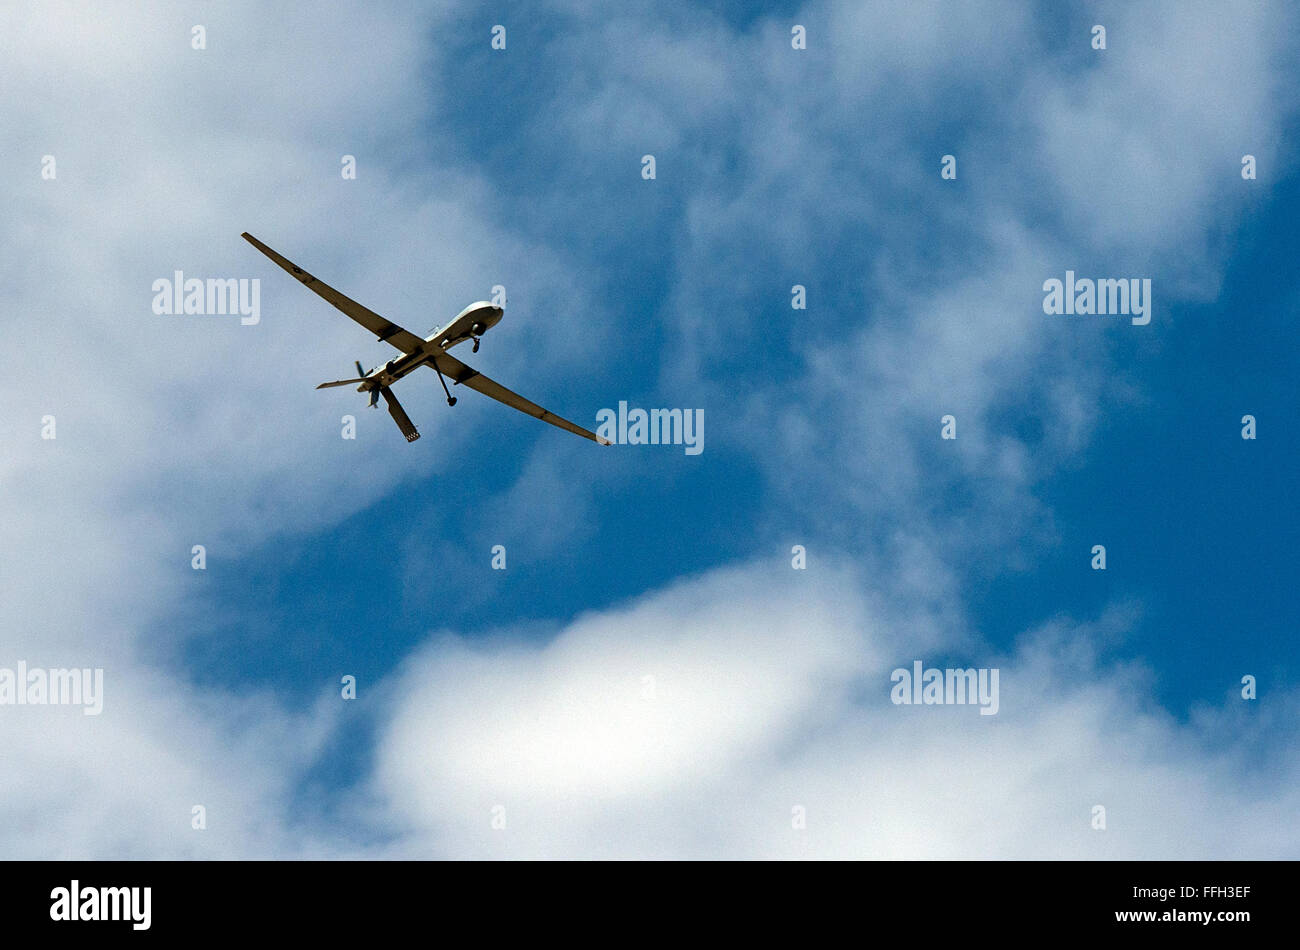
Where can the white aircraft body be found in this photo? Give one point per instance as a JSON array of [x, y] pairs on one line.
[[470, 324]]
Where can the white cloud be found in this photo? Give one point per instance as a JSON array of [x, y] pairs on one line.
[[1145, 145], [770, 692]]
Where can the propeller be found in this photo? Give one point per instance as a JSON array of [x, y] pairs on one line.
[[374, 393]]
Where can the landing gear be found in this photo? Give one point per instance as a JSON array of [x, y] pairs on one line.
[[475, 339], [451, 400]]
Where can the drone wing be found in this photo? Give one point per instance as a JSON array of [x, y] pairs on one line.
[[455, 370], [386, 330]]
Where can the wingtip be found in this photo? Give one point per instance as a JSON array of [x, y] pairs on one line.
[[600, 441]]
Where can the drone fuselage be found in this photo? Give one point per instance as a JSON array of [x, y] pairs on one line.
[[469, 324]]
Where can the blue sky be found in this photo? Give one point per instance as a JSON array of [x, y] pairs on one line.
[[775, 167]]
